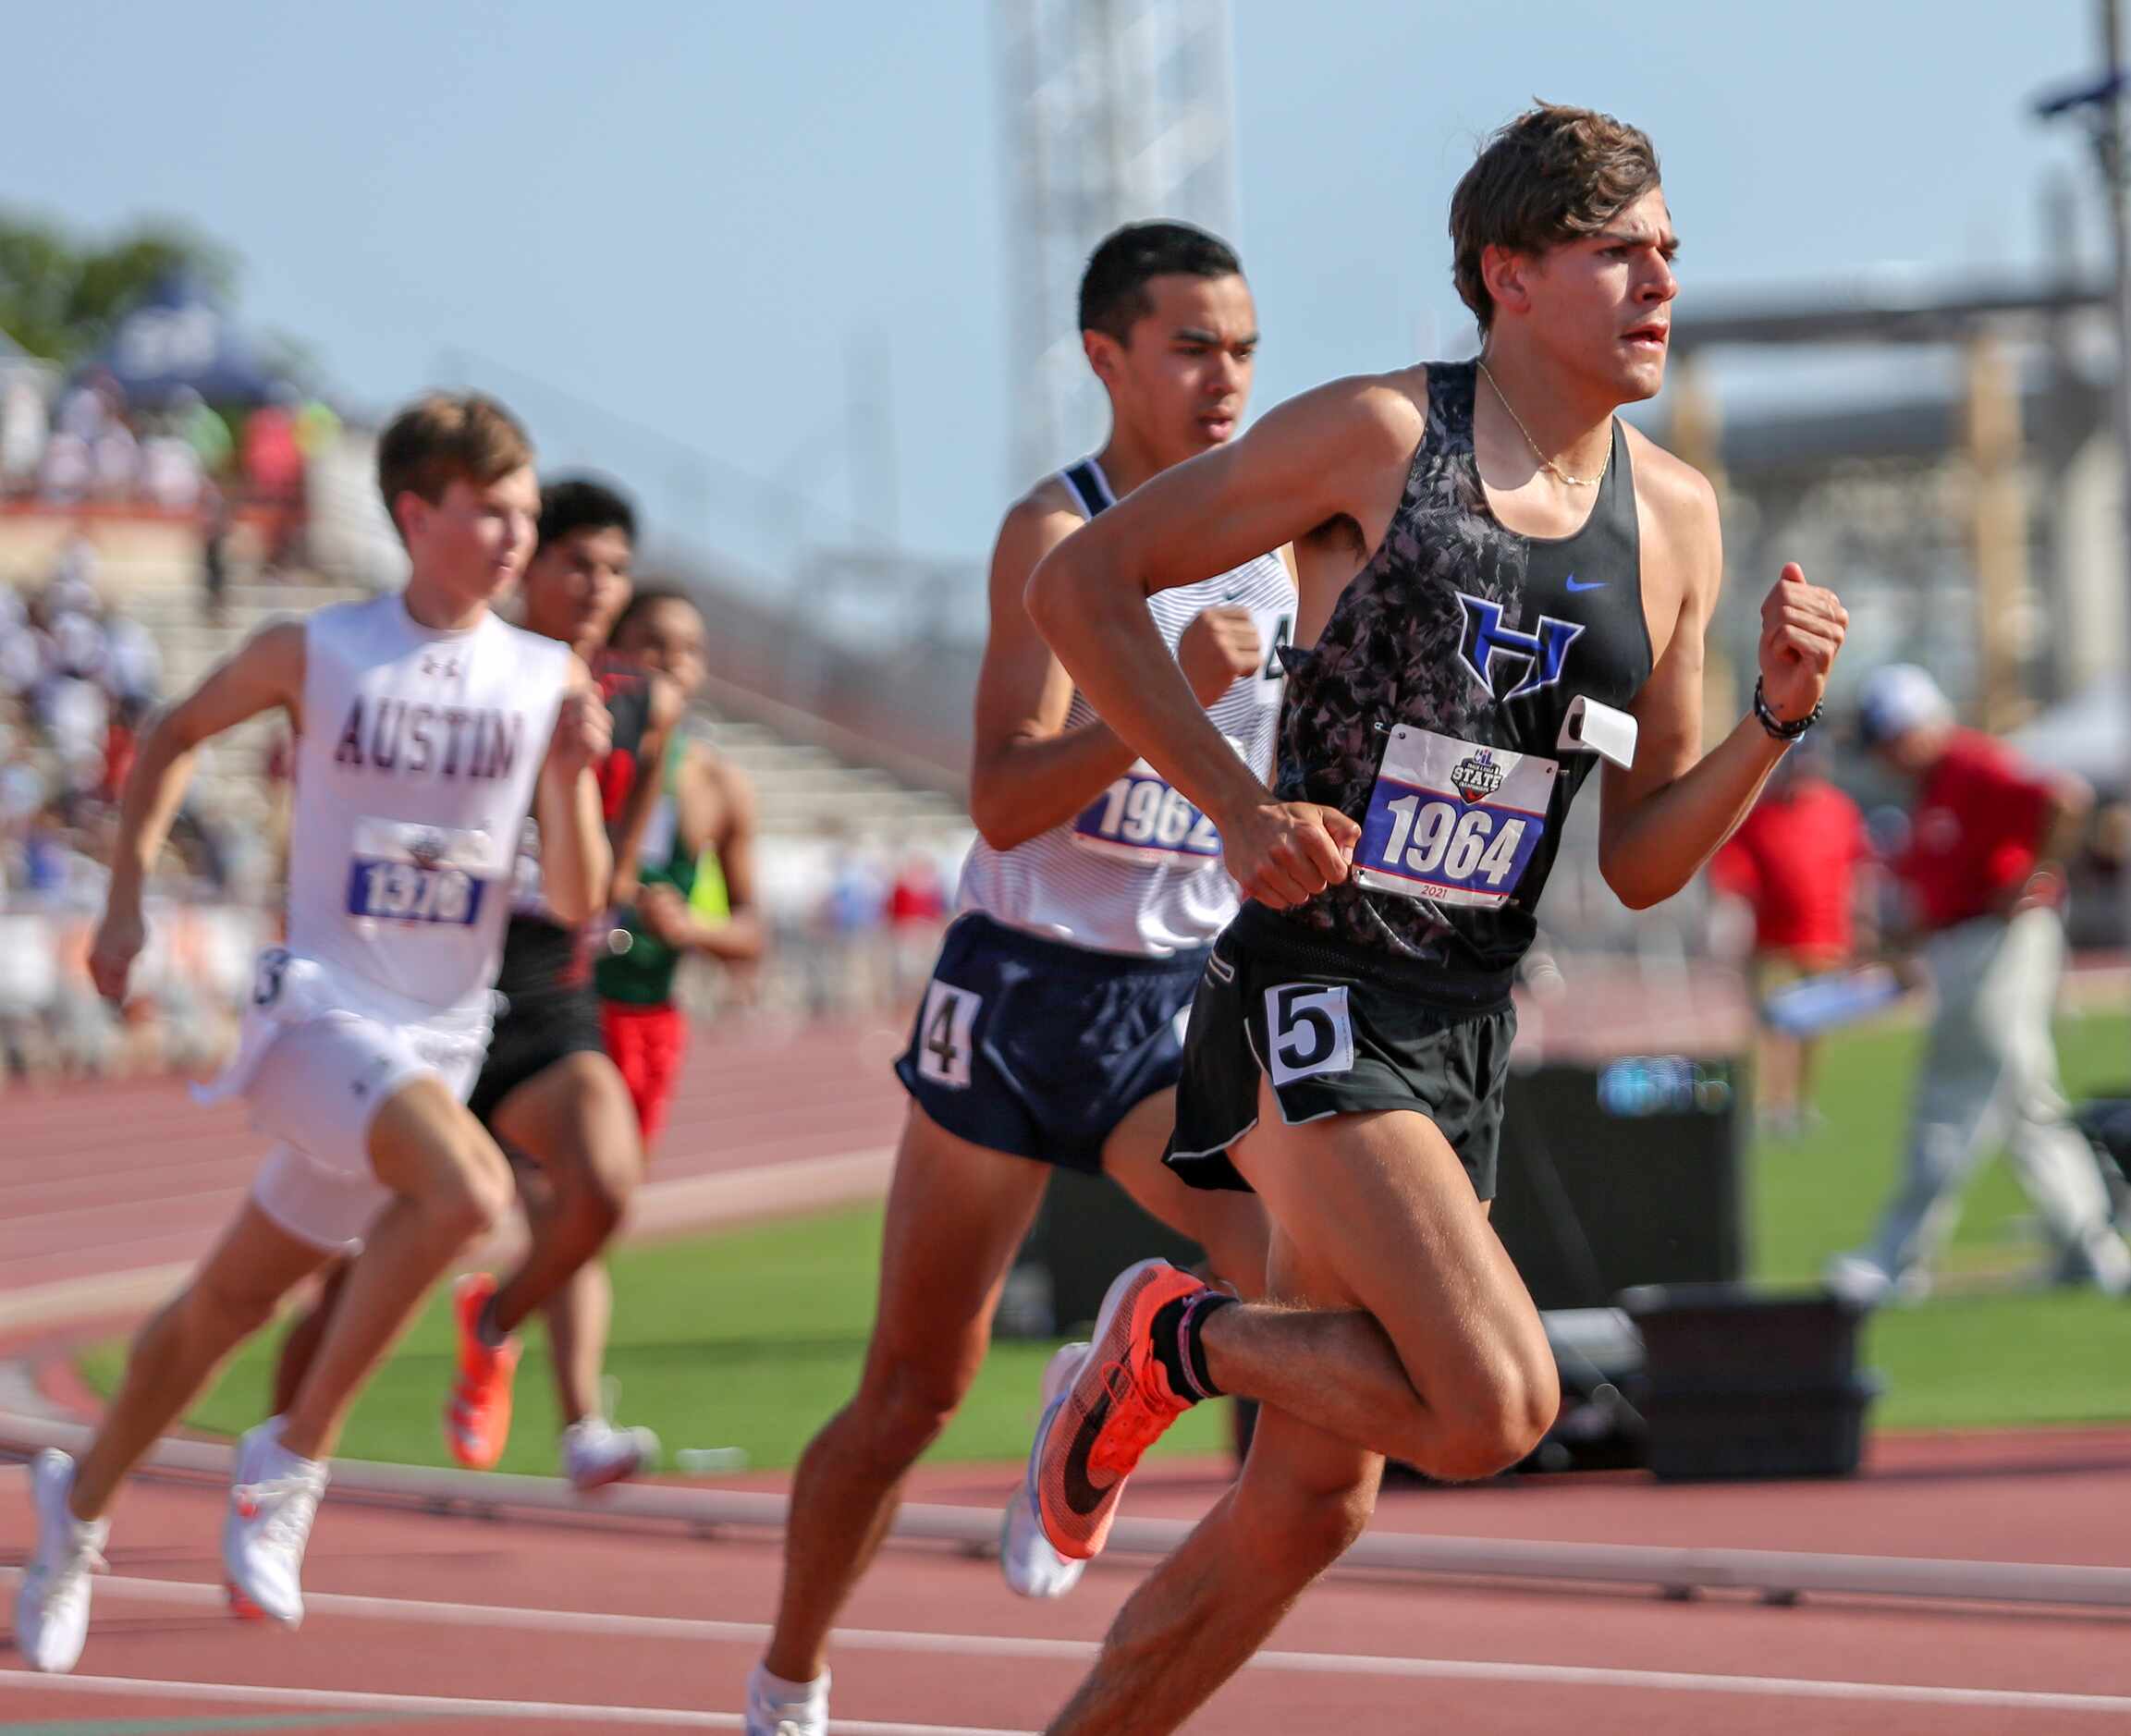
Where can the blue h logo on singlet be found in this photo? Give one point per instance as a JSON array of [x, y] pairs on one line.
[[1544, 652]]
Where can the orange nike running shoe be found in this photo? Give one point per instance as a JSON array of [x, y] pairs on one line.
[[477, 1421], [1093, 1435]]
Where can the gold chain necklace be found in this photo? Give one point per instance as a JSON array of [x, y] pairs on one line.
[[1555, 469]]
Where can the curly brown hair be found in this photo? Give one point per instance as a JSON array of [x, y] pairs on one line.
[[1550, 174]]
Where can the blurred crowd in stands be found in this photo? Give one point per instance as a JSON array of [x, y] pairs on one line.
[[78, 681], [90, 447]]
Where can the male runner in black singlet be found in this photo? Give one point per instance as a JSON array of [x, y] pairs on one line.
[[1496, 576], [548, 1091]]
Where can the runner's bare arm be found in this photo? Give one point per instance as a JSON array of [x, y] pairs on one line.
[[717, 811], [263, 674], [576, 862], [1306, 464], [1028, 772], [1666, 816], [664, 705]]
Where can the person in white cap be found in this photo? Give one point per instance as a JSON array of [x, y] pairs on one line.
[[1984, 895]]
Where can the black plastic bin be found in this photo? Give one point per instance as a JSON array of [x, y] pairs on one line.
[[1741, 1383]]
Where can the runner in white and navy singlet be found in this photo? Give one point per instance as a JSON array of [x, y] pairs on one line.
[[1052, 1029], [1138, 872], [1059, 997]]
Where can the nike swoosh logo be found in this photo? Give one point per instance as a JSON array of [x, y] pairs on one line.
[[1080, 1493], [1234, 596], [1585, 584]]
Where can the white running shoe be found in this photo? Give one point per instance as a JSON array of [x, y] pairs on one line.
[[52, 1608], [1032, 1567], [596, 1453], [273, 1501], [771, 1713]]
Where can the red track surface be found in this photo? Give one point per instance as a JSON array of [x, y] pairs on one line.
[[119, 1179]]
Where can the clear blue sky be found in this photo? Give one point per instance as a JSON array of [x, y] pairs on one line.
[[690, 214]]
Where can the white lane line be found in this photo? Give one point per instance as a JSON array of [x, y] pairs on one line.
[[603, 1622], [354, 1700]]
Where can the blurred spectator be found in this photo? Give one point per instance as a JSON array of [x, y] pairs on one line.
[[121, 745], [85, 406], [203, 431], [214, 554], [849, 924], [22, 432], [273, 461], [916, 914], [21, 655], [133, 661], [1984, 891], [1796, 863], [72, 584], [170, 472], [115, 456], [317, 428], [67, 470]]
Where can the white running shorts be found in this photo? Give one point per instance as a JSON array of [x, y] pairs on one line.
[[315, 1090]]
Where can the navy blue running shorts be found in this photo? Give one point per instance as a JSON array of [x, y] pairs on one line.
[[1038, 1049]]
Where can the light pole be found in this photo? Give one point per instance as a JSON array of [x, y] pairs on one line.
[[2101, 104]]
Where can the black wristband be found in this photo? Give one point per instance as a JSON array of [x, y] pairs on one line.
[[1774, 724]]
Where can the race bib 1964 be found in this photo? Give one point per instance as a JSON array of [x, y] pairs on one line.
[[1452, 822], [404, 873]]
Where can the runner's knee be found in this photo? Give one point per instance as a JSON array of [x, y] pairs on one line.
[[1495, 1425], [592, 1198], [609, 1184], [471, 1194], [906, 1403]]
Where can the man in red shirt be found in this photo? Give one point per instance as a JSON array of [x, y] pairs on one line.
[[1796, 862], [1984, 895]]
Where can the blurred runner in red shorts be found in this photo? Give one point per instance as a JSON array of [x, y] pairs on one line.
[[694, 890]]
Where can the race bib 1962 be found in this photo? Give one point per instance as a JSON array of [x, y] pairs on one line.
[[404, 873], [1141, 818], [1451, 822]]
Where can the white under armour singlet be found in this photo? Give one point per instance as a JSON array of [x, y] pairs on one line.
[[413, 775], [1139, 870]]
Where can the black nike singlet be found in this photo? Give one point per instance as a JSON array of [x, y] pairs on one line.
[[1462, 628]]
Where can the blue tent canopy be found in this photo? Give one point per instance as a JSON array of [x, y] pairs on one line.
[[180, 336]]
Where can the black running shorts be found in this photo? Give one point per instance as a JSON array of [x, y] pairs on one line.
[[534, 1031], [1337, 1031]]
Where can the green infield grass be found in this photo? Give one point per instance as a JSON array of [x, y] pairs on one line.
[[749, 1339]]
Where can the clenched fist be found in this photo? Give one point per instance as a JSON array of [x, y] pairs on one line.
[[1802, 628], [584, 731], [1217, 648], [1286, 852], [119, 937], [665, 915]]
